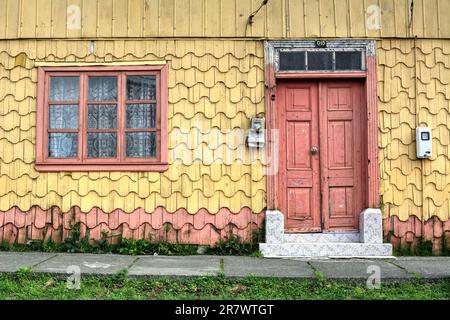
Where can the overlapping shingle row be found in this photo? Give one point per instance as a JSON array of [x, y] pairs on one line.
[[214, 87]]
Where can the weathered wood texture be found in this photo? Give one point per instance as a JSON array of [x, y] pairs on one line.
[[221, 18]]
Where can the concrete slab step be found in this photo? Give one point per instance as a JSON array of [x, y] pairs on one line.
[[330, 250], [333, 237]]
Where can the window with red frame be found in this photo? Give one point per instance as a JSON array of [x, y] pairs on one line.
[[102, 118]]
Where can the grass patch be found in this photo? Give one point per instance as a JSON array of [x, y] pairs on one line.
[[26, 285]]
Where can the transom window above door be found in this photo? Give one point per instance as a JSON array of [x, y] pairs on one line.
[[349, 56], [102, 118], [321, 60]]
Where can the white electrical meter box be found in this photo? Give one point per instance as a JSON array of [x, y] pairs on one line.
[[256, 134], [423, 142]]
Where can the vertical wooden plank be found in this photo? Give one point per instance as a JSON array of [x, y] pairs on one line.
[[418, 22], [182, 17], [401, 18], [258, 28], [44, 17], [228, 18], [296, 18], [3, 19], [444, 20], [372, 8], [197, 18], [135, 12], [72, 11], [357, 18], [28, 19], [312, 22], [89, 18], [212, 18], [327, 22], [243, 10], [151, 12], [59, 16], [120, 18], [341, 13], [431, 14], [104, 20], [166, 18], [12, 19], [275, 19], [388, 18]]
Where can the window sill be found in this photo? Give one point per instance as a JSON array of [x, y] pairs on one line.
[[155, 167]]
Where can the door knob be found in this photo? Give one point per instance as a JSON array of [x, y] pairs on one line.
[[314, 150]]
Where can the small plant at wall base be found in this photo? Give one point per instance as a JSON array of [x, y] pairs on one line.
[[233, 245], [76, 242], [421, 247], [445, 250]]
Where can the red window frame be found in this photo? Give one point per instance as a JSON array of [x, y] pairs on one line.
[[121, 162]]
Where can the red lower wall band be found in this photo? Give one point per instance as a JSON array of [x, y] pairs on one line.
[[408, 233], [206, 228], [17, 226]]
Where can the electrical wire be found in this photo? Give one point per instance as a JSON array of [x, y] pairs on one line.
[[252, 15]]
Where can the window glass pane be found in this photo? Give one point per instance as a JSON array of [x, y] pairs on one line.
[[63, 116], [64, 89], [348, 60], [102, 88], [141, 144], [102, 144], [141, 88], [62, 145], [141, 116], [292, 60], [102, 116], [320, 60]]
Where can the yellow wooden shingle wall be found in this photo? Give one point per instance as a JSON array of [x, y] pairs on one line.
[[410, 186], [214, 87], [220, 18]]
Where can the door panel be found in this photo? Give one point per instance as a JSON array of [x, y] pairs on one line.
[[341, 112], [299, 169]]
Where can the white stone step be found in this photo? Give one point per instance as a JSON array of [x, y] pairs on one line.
[[334, 237], [330, 250]]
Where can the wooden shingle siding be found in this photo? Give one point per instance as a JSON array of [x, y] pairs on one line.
[[410, 186], [221, 18], [220, 85], [214, 87]]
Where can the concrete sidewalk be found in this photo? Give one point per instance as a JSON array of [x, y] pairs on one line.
[[185, 266]]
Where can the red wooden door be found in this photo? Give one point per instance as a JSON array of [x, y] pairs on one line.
[[299, 179], [321, 169], [341, 134]]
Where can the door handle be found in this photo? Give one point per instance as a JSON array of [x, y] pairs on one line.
[[314, 150]]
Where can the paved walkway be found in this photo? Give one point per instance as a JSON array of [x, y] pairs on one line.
[[107, 264]]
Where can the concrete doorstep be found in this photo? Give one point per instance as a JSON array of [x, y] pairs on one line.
[[404, 268]]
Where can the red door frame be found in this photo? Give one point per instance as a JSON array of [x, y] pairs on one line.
[[372, 194]]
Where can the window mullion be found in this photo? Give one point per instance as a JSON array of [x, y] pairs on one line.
[[82, 115], [120, 116], [334, 60]]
